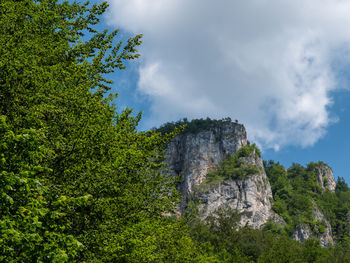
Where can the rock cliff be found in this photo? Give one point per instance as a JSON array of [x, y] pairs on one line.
[[250, 196], [192, 155], [322, 229], [325, 235]]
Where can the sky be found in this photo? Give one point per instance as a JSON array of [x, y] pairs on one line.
[[282, 68]]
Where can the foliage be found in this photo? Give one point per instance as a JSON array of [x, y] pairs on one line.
[[248, 150], [232, 244], [29, 223], [78, 182], [296, 192], [154, 240], [194, 126], [336, 207], [235, 166]]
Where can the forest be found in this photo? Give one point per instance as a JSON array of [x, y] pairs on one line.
[[80, 183]]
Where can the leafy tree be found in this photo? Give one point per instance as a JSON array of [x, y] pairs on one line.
[[79, 183], [341, 186], [31, 229]]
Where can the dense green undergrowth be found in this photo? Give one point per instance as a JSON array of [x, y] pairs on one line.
[[297, 193], [220, 236]]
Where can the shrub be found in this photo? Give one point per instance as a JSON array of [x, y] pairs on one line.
[[248, 150], [233, 166]]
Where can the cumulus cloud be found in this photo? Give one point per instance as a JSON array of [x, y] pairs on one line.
[[267, 63]]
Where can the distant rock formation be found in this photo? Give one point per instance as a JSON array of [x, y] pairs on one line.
[[192, 155], [250, 196], [302, 233], [322, 229], [325, 176], [325, 235]]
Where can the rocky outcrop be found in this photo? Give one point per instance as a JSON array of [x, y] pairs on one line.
[[321, 229], [250, 197], [325, 176], [192, 155], [302, 233], [325, 235]]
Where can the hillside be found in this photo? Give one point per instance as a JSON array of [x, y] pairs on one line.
[[223, 174]]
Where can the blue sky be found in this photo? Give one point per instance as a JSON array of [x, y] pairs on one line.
[[280, 67]]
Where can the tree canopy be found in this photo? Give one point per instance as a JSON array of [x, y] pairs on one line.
[[78, 181]]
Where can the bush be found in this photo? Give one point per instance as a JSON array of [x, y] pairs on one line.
[[233, 167], [248, 150]]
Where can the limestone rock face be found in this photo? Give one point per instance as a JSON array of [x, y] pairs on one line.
[[193, 155], [303, 232], [326, 237], [250, 196], [325, 177]]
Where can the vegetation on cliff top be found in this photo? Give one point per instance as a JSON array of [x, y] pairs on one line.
[[194, 126]]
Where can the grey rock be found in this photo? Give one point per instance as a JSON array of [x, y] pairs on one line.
[[325, 177], [193, 155], [251, 197], [326, 238], [303, 231]]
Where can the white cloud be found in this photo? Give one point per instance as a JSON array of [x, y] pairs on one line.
[[267, 63]]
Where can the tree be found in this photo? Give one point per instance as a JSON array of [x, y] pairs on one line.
[[30, 228], [80, 170]]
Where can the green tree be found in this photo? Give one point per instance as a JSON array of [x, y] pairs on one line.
[[31, 229], [93, 183]]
